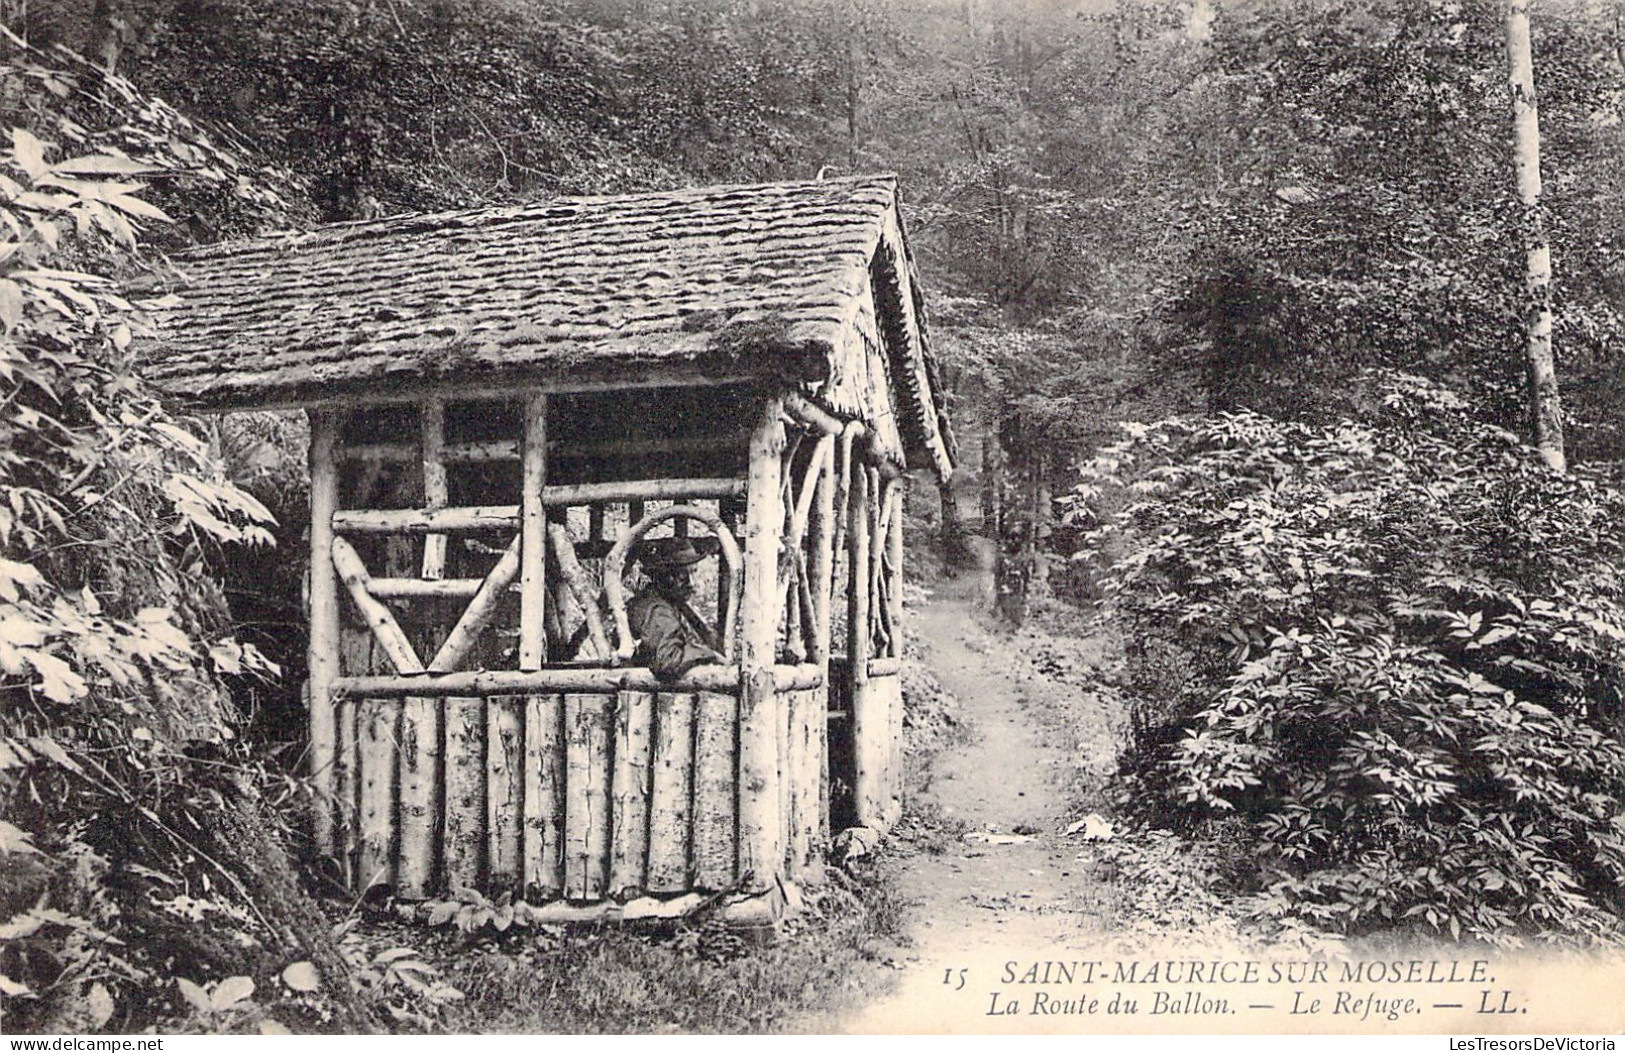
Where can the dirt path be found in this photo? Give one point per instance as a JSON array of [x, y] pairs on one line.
[[1009, 890]]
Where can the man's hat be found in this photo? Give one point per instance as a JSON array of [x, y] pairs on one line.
[[668, 552]]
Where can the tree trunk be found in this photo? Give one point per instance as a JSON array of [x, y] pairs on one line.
[[854, 83], [1545, 404], [1012, 568], [992, 498], [1038, 537], [953, 525]]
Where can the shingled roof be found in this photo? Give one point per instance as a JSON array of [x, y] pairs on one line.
[[720, 281]]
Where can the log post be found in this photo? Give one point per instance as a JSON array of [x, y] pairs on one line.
[[322, 656], [435, 495], [760, 823], [533, 536], [843, 492], [420, 720], [464, 763], [420, 795], [894, 602], [858, 638], [879, 697], [821, 543], [542, 766], [349, 766], [822, 571], [894, 555]]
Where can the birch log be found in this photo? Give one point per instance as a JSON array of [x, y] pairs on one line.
[[377, 730], [760, 819], [670, 799], [385, 629], [821, 526], [803, 792], [587, 786], [859, 593], [821, 545], [533, 536], [896, 752], [464, 821], [564, 554], [545, 767], [629, 849], [322, 655], [420, 796], [894, 568], [716, 813], [433, 442], [784, 704], [348, 769], [504, 769], [538, 767]]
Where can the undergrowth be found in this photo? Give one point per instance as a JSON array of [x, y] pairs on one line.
[[1386, 657], [692, 977]]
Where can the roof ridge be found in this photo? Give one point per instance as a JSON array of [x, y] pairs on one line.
[[346, 230]]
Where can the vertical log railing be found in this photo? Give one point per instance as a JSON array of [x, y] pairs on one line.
[[323, 652]]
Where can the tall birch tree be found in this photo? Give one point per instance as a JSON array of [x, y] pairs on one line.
[[1545, 403]]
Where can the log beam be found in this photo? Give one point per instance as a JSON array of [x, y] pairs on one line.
[[385, 629], [508, 450], [460, 641], [564, 553], [507, 517], [583, 680]]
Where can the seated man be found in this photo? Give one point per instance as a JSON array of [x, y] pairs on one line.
[[672, 637]]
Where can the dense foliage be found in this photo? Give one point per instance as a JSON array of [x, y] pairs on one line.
[[130, 814], [1394, 646]]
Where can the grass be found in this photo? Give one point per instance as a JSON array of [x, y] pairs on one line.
[[692, 978]]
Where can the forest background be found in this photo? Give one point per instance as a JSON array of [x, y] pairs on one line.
[[1374, 646]]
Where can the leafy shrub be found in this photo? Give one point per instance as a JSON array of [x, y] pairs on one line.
[[139, 840], [1394, 647]]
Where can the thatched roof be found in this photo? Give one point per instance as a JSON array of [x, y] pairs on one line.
[[718, 281]]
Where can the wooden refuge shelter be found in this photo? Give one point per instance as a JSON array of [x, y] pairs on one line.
[[504, 405]]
